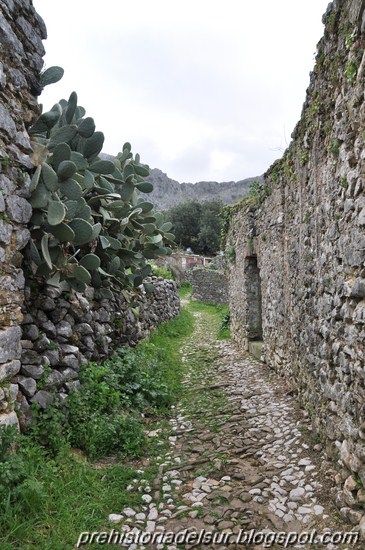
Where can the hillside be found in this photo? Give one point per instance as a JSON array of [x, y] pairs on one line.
[[168, 192]]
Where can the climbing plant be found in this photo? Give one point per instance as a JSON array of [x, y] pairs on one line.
[[89, 224]]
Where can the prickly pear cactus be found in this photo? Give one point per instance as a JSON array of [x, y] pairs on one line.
[[89, 224]]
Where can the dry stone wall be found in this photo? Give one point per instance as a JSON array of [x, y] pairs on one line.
[[209, 286], [305, 232], [21, 51], [62, 333], [45, 337]]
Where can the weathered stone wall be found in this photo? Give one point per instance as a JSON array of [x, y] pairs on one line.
[[60, 334], [306, 230], [21, 51], [209, 286]]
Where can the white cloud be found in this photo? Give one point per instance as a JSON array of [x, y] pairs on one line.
[[202, 89]]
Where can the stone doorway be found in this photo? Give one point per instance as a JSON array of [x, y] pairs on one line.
[[254, 306]]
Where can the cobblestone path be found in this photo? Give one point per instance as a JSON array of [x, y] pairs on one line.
[[241, 457]]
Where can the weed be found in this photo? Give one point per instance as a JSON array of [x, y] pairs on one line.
[[160, 271], [4, 217], [225, 328], [52, 346], [5, 163], [351, 71], [303, 158], [231, 254], [185, 289], [334, 148], [349, 40], [41, 383], [49, 491]]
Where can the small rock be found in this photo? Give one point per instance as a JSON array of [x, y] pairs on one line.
[[297, 494], [153, 515], [115, 518], [150, 527]]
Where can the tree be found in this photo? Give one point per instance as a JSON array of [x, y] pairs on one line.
[[197, 225]]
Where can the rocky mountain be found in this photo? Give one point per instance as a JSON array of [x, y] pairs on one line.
[[168, 192]]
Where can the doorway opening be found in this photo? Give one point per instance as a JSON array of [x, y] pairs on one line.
[[254, 306]]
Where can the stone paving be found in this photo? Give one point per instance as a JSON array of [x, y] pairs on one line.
[[241, 457]]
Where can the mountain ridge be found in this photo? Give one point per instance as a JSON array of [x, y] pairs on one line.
[[168, 192]]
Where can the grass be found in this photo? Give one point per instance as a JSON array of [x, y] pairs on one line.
[[59, 498], [73, 469], [218, 311], [49, 492], [185, 289]]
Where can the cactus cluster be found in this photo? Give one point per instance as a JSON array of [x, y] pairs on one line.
[[89, 223]]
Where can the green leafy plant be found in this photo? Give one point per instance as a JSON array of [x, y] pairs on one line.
[[334, 148], [351, 70], [5, 163], [185, 289], [224, 329], [231, 254], [304, 157], [161, 271], [89, 224]]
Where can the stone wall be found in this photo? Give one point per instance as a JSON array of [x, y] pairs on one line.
[[44, 355], [209, 286], [60, 334], [21, 34], [306, 232]]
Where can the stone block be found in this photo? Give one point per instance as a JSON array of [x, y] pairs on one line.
[[8, 370], [33, 371], [7, 124], [10, 344], [6, 230], [43, 398], [27, 385], [9, 419]]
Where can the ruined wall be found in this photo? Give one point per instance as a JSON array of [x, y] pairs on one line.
[[21, 51], [306, 230], [209, 286]]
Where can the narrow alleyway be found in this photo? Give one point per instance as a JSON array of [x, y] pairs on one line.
[[241, 457]]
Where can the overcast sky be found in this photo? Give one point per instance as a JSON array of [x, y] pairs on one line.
[[203, 89]]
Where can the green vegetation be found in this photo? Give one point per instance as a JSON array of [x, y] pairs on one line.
[[89, 224], [351, 70], [334, 148], [185, 289], [46, 502], [50, 491], [303, 157], [5, 163], [231, 254], [161, 271], [258, 192], [225, 328], [197, 225], [220, 314]]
